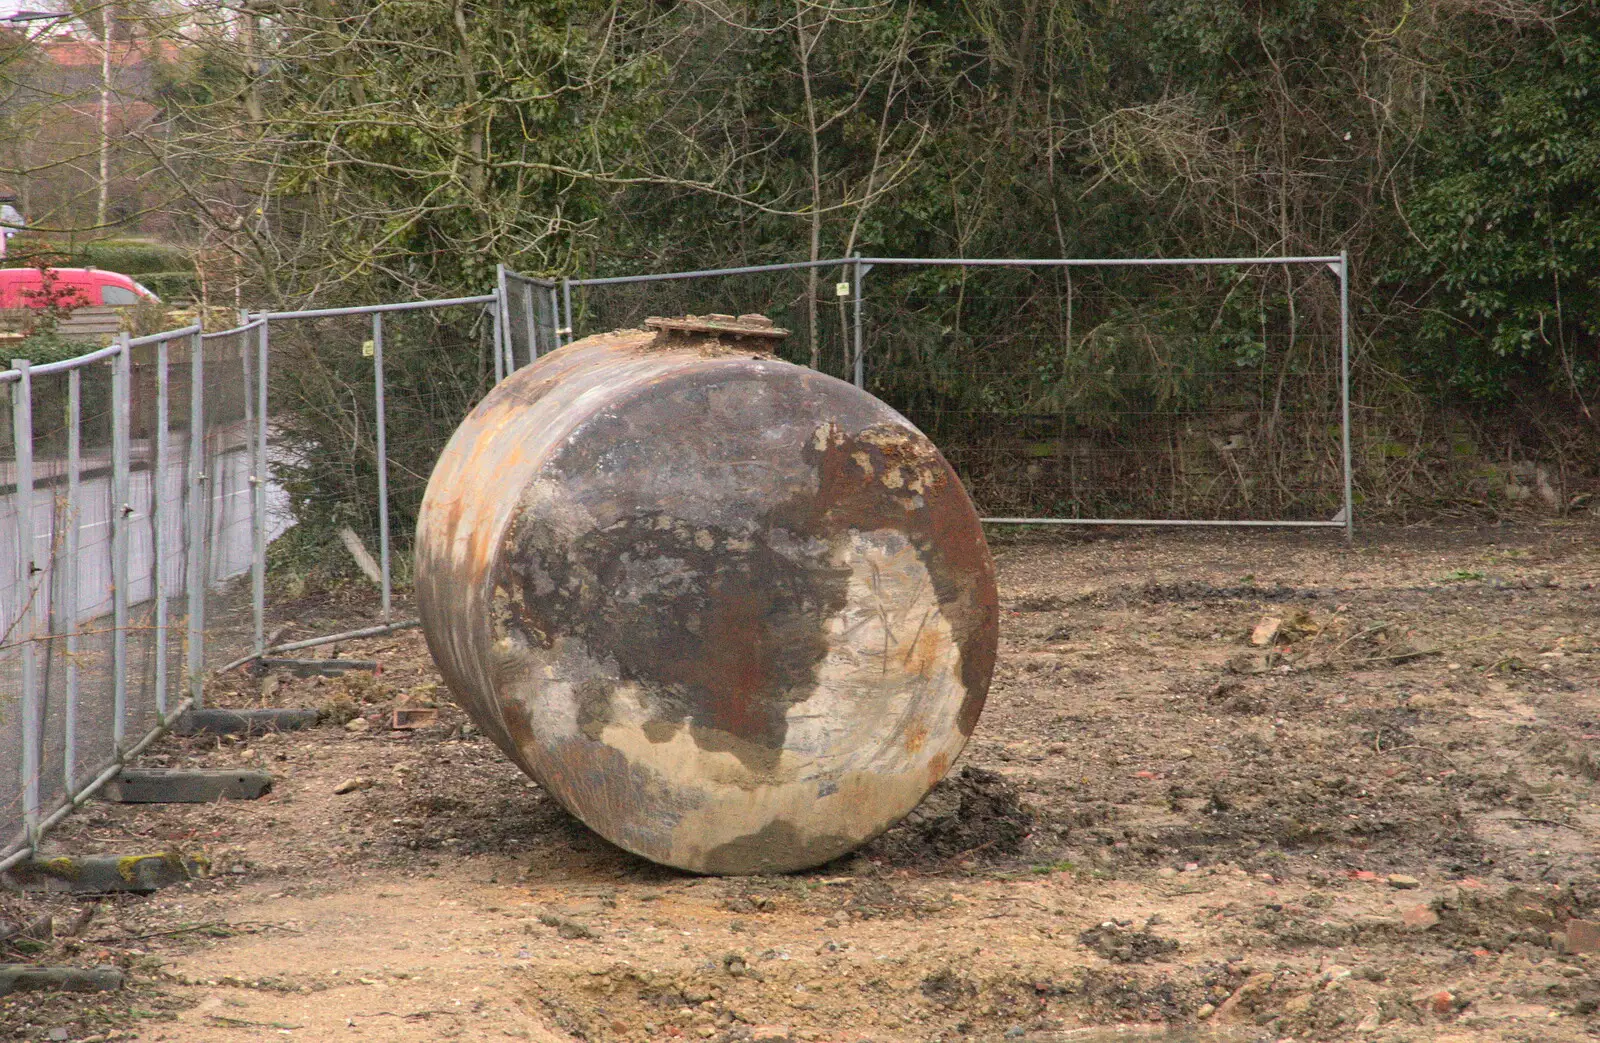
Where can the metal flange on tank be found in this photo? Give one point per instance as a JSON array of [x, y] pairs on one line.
[[734, 614]]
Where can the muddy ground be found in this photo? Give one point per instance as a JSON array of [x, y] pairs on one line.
[[1380, 822]]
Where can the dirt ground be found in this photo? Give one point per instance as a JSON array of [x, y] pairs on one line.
[[1379, 822]]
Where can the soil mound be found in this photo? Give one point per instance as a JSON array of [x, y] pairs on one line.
[[971, 813]]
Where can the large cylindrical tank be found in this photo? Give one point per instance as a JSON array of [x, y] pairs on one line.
[[735, 615]]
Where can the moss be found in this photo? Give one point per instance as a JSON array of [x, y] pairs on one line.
[[180, 864], [62, 867], [129, 864]]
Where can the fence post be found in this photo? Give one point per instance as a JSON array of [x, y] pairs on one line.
[[158, 529], [555, 317], [257, 622], [859, 271], [566, 311], [1344, 393], [121, 514], [198, 515], [32, 705], [258, 490], [503, 306], [69, 586], [494, 339], [383, 449], [528, 321]]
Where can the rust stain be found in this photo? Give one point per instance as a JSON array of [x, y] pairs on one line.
[[708, 629], [941, 522], [916, 736], [925, 651]]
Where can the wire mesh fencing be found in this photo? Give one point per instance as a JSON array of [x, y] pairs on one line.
[[360, 401], [817, 304], [92, 605], [1202, 391], [236, 506], [1122, 393], [530, 316], [146, 488]]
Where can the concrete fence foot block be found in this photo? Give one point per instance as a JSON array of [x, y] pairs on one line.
[[316, 667], [173, 786], [100, 874], [243, 722], [23, 977]]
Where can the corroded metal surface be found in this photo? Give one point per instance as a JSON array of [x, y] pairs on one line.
[[722, 327], [735, 615]]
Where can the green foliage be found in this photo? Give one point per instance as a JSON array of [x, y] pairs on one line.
[[136, 257], [404, 149], [326, 408], [412, 149], [1452, 147], [47, 345], [172, 286], [1506, 211]]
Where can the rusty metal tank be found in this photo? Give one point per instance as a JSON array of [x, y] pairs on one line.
[[734, 614]]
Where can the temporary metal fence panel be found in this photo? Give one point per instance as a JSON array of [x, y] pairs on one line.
[[817, 302], [358, 402], [531, 316], [90, 514], [230, 517], [1139, 391], [143, 485]]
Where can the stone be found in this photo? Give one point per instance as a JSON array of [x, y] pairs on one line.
[[1205, 1011], [1166, 872], [1402, 882], [1582, 936], [770, 1034], [1245, 995], [360, 724], [1265, 631], [1418, 917], [1437, 1001], [1333, 973]]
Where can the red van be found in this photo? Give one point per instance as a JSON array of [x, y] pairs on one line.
[[71, 287]]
